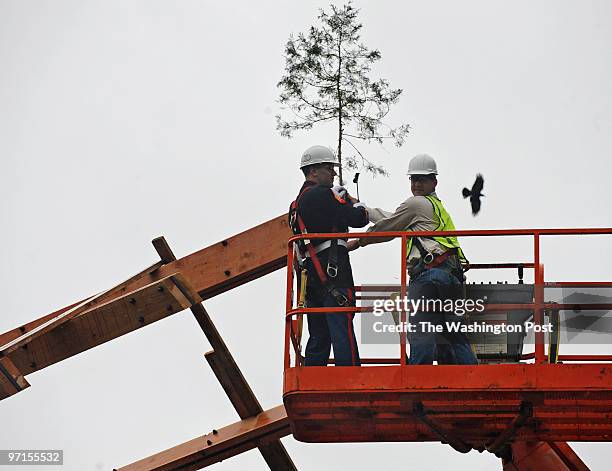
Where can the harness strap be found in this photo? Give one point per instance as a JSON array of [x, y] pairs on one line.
[[326, 245], [340, 298], [298, 227], [332, 259], [440, 259], [426, 256]]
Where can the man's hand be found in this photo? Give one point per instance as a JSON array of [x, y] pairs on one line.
[[352, 244], [340, 191]]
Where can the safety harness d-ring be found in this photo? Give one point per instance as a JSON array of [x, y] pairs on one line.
[[332, 270], [299, 227]]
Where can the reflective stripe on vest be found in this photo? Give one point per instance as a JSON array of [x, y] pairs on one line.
[[445, 223]]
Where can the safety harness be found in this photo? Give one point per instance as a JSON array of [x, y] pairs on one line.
[[306, 249], [429, 260]]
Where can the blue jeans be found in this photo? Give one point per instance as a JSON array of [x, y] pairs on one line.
[[330, 329], [449, 348]]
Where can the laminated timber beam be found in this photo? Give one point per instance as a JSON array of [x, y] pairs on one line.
[[246, 404], [25, 331], [218, 445], [61, 338], [229, 375], [11, 379], [210, 271]]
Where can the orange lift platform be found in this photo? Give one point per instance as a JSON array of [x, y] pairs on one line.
[[522, 406], [517, 404]]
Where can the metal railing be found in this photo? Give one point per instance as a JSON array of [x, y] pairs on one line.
[[538, 306]]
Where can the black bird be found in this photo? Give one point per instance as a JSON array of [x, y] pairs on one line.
[[475, 194]]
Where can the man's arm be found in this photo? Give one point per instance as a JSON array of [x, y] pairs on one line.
[[376, 214], [354, 213], [322, 208], [403, 217]]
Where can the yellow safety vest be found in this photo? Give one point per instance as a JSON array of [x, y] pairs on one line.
[[445, 223]]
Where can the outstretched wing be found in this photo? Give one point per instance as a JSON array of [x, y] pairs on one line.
[[478, 185]]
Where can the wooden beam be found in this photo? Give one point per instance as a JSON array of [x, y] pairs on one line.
[[115, 292], [119, 316], [235, 386], [17, 332], [236, 260], [228, 373], [218, 445], [246, 404], [49, 325], [163, 249], [276, 455], [210, 271], [199, 312], [11, 379]]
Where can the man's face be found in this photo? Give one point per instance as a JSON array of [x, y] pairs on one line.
[[324, 174], [422, 185]]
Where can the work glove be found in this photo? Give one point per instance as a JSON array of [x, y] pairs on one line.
[[339, 191]]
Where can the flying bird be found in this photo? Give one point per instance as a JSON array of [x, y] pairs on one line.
[[475, 194]]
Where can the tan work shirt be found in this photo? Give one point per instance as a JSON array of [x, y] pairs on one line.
[[414, 214]]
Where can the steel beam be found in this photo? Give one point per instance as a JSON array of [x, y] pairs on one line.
[[218, 445]]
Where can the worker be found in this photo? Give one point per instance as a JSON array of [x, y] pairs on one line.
[[434, 265], [321, 207]]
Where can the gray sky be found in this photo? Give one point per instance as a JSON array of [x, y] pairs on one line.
[[122, 121]]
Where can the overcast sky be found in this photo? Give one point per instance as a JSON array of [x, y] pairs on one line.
[[124, 120]]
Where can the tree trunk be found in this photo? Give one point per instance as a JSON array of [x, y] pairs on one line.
[[340, 147], [340, 129]]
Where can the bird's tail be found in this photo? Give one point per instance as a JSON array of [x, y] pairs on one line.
[[466, 192]]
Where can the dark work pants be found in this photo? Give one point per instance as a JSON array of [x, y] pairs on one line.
[[450, 348], [327, 329]]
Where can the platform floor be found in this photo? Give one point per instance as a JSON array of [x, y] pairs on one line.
[[563, 402]]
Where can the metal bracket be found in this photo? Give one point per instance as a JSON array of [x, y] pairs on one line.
[[458, 445], [525, 413]]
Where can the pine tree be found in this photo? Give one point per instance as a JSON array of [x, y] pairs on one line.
[[327, 79]]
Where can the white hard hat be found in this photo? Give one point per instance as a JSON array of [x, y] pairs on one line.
[[318, 155], [422, 164]]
